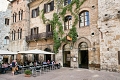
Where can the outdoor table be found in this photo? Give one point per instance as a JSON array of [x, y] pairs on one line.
[[33, 70], [44, 66], [24, 68]]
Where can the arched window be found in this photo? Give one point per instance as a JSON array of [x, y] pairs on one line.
[[13, 18], [68, 22], [6, 40], [13, 35], [19, 15], [19, 33], [84, 19]]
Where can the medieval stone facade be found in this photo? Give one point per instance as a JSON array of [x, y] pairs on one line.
[[108, 24], [5, 28], [19, 26], [4, 31], [97, 44]]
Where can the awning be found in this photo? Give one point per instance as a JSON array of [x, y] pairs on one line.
[[4, 52], [36, 51]]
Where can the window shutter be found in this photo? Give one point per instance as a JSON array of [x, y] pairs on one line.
[[32, 14], [45, 8], [37, 13], [64, 26], [52, 6], [5, 20], [64, 2], [118, 57]]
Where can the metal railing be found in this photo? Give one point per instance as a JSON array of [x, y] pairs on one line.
[[39, 36]]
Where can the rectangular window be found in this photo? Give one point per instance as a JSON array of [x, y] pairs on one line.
[[35, 12], [34, 30], [119, 57], [49, 7], [48, 28], [6, 21]]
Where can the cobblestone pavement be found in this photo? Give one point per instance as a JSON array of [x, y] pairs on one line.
[[66, 74]]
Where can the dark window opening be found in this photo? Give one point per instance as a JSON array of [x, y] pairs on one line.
[[49, 7], [6, 21], [35, 12]]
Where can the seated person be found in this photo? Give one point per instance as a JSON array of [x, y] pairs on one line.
[[6, 66], [31, 64], [44, 63]]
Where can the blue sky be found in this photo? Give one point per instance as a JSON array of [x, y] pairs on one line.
[[3, 5]]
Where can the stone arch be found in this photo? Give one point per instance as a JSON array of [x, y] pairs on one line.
[[82, 39]]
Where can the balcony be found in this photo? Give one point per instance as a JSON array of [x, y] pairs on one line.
[[39, 36]]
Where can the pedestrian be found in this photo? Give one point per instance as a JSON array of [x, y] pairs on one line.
[[13, 66]]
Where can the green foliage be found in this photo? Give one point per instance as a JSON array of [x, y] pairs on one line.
[[28, 72], [56, 23], [57, 43], [73, 34], [43, 17]]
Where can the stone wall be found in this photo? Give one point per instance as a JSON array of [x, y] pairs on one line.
[[4, 29], [109, 26], [19, 44]]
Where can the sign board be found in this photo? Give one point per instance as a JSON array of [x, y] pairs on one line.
[[74, 59]]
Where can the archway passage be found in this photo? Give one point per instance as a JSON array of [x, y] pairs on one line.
[[83, 55]]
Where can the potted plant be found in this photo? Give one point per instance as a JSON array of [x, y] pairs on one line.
[[28, 73]]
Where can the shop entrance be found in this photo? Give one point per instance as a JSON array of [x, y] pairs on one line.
[[83, 55], [66, 59], [66, 56]]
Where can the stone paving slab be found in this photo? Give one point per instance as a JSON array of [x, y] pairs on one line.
[[67, 74]]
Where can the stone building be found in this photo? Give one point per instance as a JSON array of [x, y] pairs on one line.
[[85, 52], [5, 23], [50, 25], [80, 32], [108, 25], [19, 26], [40, 34]]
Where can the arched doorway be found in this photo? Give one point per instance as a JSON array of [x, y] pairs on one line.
[[66, 55], [83, 55], [47, 56]]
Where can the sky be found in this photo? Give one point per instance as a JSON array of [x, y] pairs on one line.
[[3, 5]]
